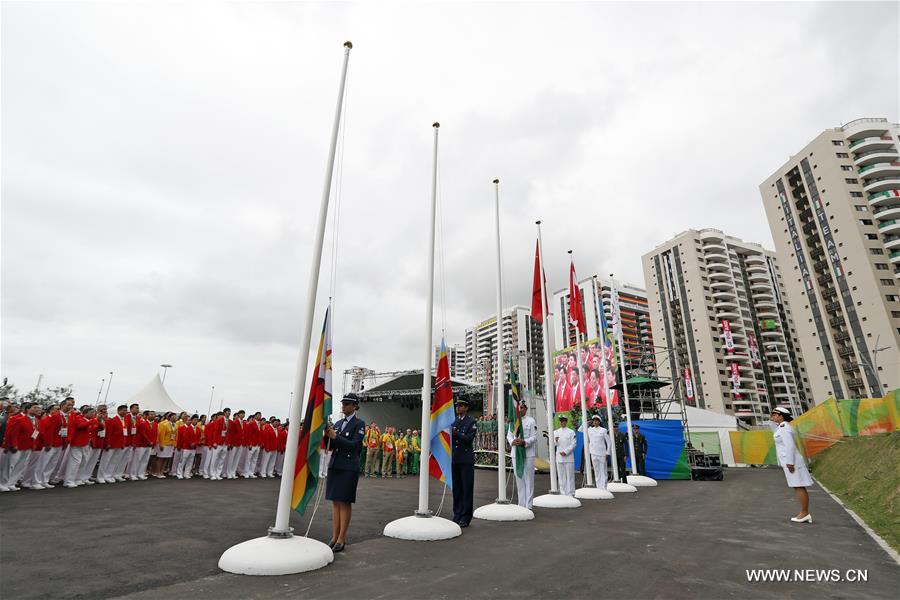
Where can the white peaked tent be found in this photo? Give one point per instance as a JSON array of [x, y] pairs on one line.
[[154, 397]]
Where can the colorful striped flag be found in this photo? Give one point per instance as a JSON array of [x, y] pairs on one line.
[[442, 419], [318, 407], [515, 419]]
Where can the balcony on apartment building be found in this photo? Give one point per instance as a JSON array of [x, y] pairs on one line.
[[885, 197], [880, 184], [868, 144], [865, 127], [876, 156]]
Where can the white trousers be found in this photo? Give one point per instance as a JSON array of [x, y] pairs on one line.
[[32, 475], [267, 463], [599, 464], [138, 465], [234, 455], [217, 462], [62, 464], [259, 461], [124, 460], [186, 464], [49, 462], [147, 453], [565, 472], [17, 463], [75, 457], [251, 456], [4, 466], [525, 485], [204, 461], [91, 456], [109, 462], [279, 463]]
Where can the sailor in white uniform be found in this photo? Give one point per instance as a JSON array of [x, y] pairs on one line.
[[525, 485], [599, 441], [792, 461], [565, 456]]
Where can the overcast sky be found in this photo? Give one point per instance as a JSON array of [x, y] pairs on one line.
[[162, 165]]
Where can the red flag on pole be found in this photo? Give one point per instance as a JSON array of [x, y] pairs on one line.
[[537, 296], [575, 312]]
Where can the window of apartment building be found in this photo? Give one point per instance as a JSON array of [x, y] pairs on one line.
[[876, 250], [871, 236], [888, 282], [837, 142], [895, 314], [892, 298], [850, 180], [846, 168], [861, 207], [856, 194], [865, 221], [842, 155], [881, 266]]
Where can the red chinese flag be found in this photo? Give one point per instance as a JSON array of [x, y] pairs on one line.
[[537, 296], [575, 313]]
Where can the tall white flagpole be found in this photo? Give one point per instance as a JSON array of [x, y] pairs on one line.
[[615, 485], [637, 480], [554, 499], [501, 510], [282, 553], [422, 525]]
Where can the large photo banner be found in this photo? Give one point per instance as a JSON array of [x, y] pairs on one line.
[[566, 381]]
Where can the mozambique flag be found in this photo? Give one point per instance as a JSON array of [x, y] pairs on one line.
[[318, 407], [439, 465], [515, 420]]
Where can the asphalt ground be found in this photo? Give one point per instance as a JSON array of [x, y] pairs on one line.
[[682, 539]]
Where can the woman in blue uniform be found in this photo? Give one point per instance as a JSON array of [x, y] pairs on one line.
[[792, 462], [345, 439]]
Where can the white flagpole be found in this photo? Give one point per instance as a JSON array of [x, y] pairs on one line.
[[422, 525], [635, 479], [501, 391], [501, 510], [604, 364], [588, 470], [549, 388], [268, 555]]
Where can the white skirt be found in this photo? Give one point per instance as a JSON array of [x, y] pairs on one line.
[[165, 452], [799, 478]]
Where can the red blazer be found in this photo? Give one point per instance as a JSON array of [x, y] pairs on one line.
[[186, 437], [69, 424], [269, 438], [235, 434], [50, 426], [115, 437], [154, 431], [282, 438], [96, 440], [19, 430], [130, 438], [80, 430], [251, 433], [145, 437]]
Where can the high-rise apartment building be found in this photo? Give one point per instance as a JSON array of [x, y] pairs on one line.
[[834, 211], [456, 356], [522, 339], [637, 335], [722, 323]]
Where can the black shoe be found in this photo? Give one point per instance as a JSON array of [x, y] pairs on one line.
[[331, 544], [464, 524], [337, 547]]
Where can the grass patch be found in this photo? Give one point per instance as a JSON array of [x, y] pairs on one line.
[[863, 473]]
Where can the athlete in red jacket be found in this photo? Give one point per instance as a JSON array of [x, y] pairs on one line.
[[79, 428], [251, 446]]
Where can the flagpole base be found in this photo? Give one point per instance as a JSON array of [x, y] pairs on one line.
[[641, 481], [276, 556], [420, 528], [617, 487], [556, 501], [503, 512], [593, 493]]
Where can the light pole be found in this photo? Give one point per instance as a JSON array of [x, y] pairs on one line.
[[209, 410], [165, 368], [100, 391], [108, 385]]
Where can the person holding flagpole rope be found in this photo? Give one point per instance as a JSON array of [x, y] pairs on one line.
[[345, 439]]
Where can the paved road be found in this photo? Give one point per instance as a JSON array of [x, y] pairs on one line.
[[162, 539]]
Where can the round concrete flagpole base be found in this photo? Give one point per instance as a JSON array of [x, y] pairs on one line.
[[556, 501], [617, 487], [422, 529], [276, 556], [503, 512], [641, 481], [593, 493]]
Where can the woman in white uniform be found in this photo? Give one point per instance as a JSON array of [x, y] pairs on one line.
[[792, 462]]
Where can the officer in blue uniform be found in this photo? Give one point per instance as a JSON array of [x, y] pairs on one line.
[[345, 440], [463, 464]]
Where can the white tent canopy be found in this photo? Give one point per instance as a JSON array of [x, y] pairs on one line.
[[154, 397], [702, 420]]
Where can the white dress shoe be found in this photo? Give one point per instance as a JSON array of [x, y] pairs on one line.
[[70, 485], [806, 519]]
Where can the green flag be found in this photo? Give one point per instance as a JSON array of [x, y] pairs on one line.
[[515, 420]]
